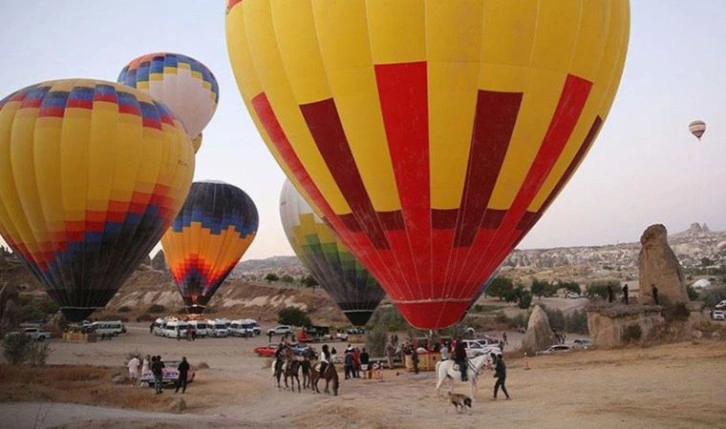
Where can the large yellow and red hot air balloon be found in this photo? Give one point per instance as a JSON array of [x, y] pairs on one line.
[[430, 134], [92, 173], [184, 84], [213, 230]]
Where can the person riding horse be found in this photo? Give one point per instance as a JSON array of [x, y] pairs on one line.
[[279, 354], [324, 358], [460, 358]]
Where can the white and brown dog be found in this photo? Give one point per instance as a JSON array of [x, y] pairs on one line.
[[459, 401]]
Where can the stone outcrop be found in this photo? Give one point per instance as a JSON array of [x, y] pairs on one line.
[[7, 293], [608, 324], [159, 261], [539, 334], [659, 266]]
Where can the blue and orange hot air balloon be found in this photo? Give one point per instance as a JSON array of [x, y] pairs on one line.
[[209, 236], [346, 280], [92, 173], [184, 84], [431, 135]]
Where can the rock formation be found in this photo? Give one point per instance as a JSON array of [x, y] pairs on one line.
[[659, 266], [608, 324], [7, 293], [539, 334], [159, 261]]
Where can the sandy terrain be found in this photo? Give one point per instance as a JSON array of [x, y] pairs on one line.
[[670, 386]]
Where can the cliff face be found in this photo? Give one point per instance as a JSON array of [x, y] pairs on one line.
[[608, 325]]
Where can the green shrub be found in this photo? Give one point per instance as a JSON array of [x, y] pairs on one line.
[[521, 320], [272, 277], [293, 316], [692, 293], [16, 348], [38, 353], [632, 334], [287, 279], [525, 300], [376, 340], [577, 322], [713, 296], [30, 313]]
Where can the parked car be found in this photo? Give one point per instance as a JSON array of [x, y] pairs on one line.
[[475, 348], [266, 351], [718, 315], [280, 330], [171, 374], [559, 348], [582, 343], [36, 333], [721, 305]]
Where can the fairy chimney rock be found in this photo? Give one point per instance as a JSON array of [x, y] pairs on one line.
[[659, 266], [159, 261], [539, 334]]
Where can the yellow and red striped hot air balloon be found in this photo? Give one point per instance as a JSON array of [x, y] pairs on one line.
[[430, 134], [213, 230], [92, 173]]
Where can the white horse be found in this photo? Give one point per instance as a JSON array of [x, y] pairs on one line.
[[445, 369]]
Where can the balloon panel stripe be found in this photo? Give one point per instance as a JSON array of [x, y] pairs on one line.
[[327, 131], [403, 94], [494, 121]]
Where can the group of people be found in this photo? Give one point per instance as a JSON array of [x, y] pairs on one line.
[[154, 364], [626, 298], [355, 361]]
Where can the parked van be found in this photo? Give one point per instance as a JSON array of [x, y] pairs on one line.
[[200, 327], [175, 328], [256, 330], [158, 329], [239, 329], [107, 328], [217, 328]]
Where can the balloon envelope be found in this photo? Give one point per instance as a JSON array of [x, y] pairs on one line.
[[431, 135], [697, 128], [91, 175], [346, 280], [197, 142], [213, 230], [184, 84]]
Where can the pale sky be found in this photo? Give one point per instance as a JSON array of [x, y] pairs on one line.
[[644, 168]]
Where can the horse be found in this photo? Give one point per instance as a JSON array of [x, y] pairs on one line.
[[329, 374], [445, 369], [291, 371]]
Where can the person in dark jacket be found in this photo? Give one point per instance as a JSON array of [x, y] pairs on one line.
[[348, 363], [364, 362], [183, 369], [500, 373], [460, 358], [157, 368]]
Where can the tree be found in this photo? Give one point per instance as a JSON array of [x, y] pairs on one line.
[[500, 287], [310, 281], [271, 277], [692, 293], [525, 299], [600, 288], [539, 287], [293, 316], [287, 279], [706, 262], [572, 287]]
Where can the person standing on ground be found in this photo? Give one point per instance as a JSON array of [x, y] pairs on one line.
[[504, 337], [654, 290], [133, 366], [157, 368], [445, 352], [500, 373], [364, 361], [390, 350], [414, 359], [348, 363], [625, 294], [183, 369], [269, 336], [146, 365]]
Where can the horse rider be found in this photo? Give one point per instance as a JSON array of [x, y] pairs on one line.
[[324, 359], [460, 358], [278, 357]]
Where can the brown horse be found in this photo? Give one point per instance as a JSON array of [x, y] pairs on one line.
[[292, 370], [330, 374]]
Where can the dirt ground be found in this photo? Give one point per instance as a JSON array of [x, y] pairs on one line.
[[670, 386]]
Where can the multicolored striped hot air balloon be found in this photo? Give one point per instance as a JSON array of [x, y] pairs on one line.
[[346, 280], [92, 173], [184, 84], [430, 134], [697, 128], [209, 236]]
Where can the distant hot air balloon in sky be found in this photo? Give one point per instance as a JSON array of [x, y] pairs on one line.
[[91, 175], [697, 128], [184, 84], [431, 135], [346, 280], [213, 230]]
